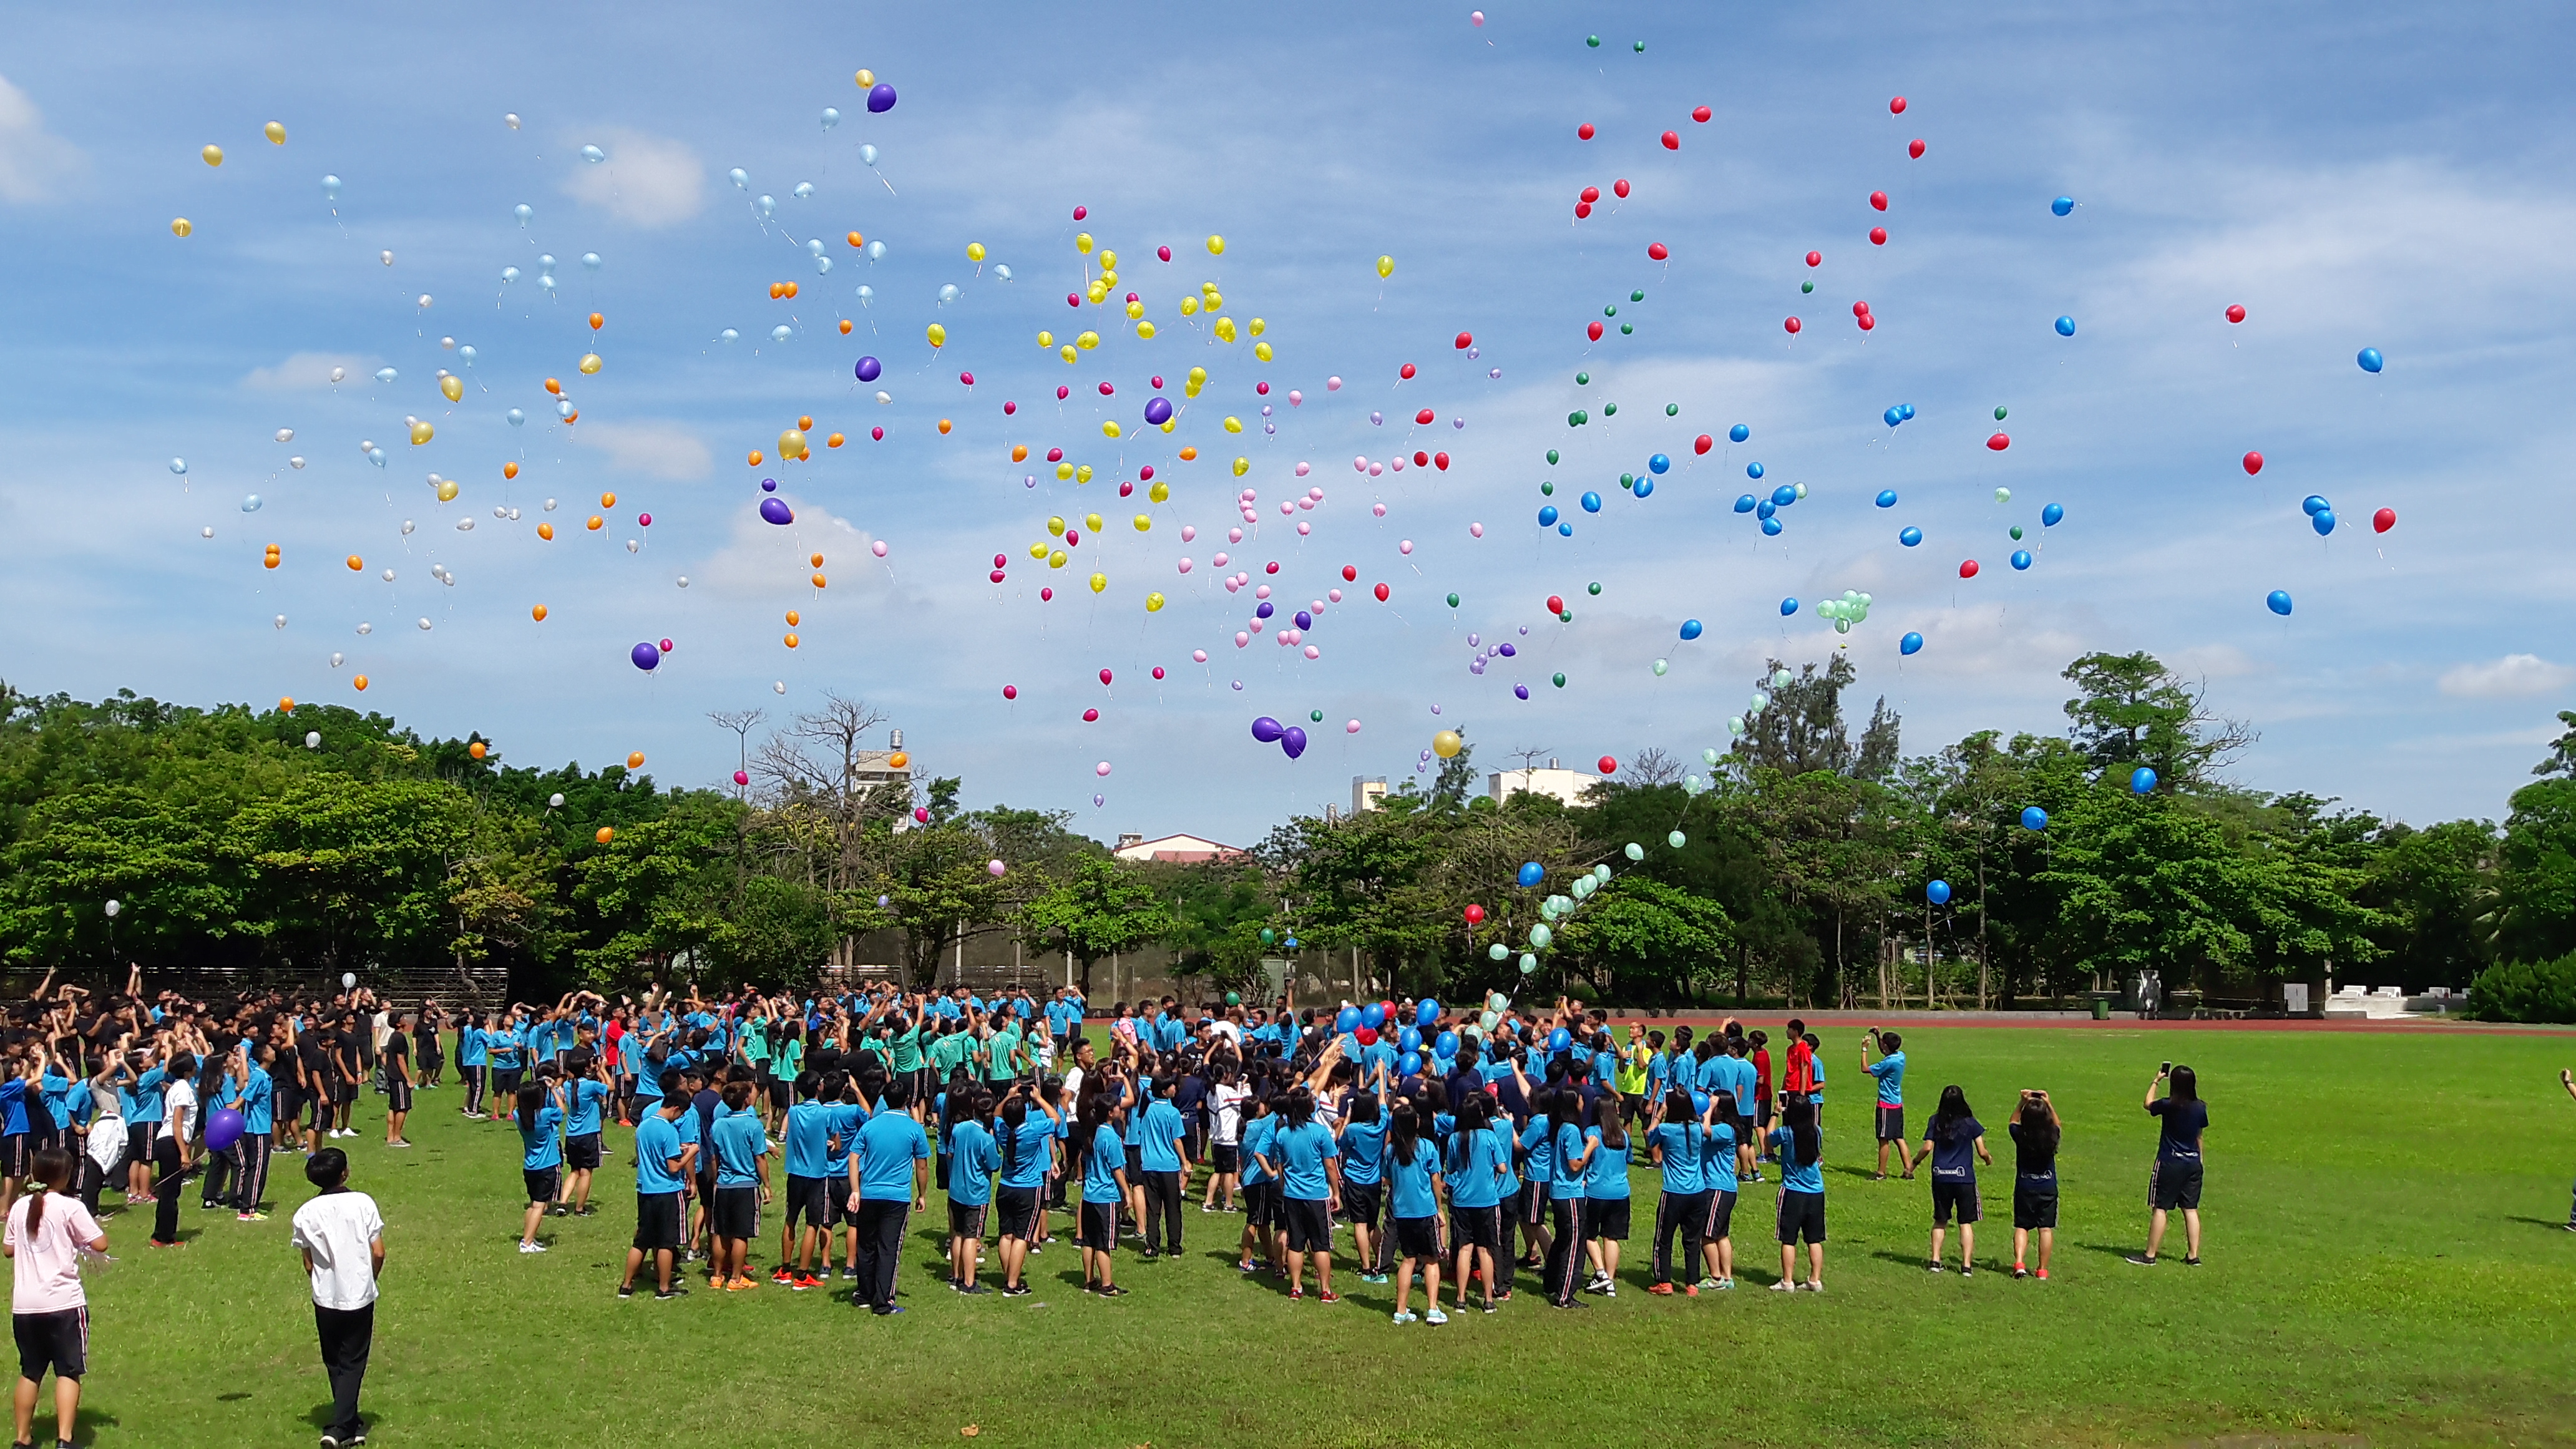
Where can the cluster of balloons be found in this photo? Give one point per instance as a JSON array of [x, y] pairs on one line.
[[1291, 739]]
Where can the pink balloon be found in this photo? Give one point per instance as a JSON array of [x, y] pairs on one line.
[[1219, 560], [1185, 564], [1378, 509], [1314, 653], [1301, 468], [1404, 547], [1189, 531], [878, 548], [1332, 384], [1101, 769], [1475, 530], [1352, 728], [643, 520], [1198, 656]]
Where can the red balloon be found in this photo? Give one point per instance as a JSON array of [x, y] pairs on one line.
[[1815, 259], [1091, 716], [1158, 671], [1010, 691], [1583, 132], [2253, 464], [1555, 604], [1703, 443], [741, 778], [2384, 520], [2236, 312], [1867, 322], [1382, 592], [1878, 236], [1421, 459], [1792, 326], [1350, 572], [1080, 212], [1860, 309], [1046, 595], [1896, 107], [996, 576], [1672, 140], [1700, 114], [1619, 188], [1590, 193], [1475, 915], [1582, 209], [876, 434], [1163, 253], [1968, 570], [967, 378], [1000, 560], [1405, 372], [1073, 299], [1466, 340], [1609, 766], [1009, 408], [1999, 442], [1878, 201], [1440, 461], [1657, 250], [1104, 676], [1593, 331], [1914, 148], [1423, 418], [1107, 390], [1056, 455], [1366, 1036]]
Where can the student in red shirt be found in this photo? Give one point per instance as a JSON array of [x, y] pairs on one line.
[[1801, 1077], [1761, 1043]]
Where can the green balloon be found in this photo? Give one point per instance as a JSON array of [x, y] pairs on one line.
[[1638, 295], [1560, 679], [1592, 40], [1641, 47], [1234, 998], [2016, 532], [1453, 601], [1551, 455], [1627, 329], [1268, 936], [1577, 418], [1676, 840], [1565, 616], [1610, 311], [1628, 480], [1547, 490], [1593, 589], [1583, 379], [1806, 286], [1609, 410], [1315, 716], [1672, 410], [1999, 414]]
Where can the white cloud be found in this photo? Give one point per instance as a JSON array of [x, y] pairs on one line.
[[32, 159], [656, 450], [2515, 676], [763, 560], [647, 180], [309, 372]]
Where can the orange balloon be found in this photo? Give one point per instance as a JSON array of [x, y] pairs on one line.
[[595, 522], [943, 427], [818, 561], [818, 581], [546, 531], [804, 425], [791, 641], [554, 387], [361, 683], [845, 326], [509, 470], [635, 761], [1189, 454], [286, 705], [605, 835], [597, 321], [898, 759], [270, 561], [777, 290], [476, 749], [356, 563], [538, 613], [755, 457], [571, 418], [793, 619], [1019, 452], [608, 500], [789, 288], [834, 441], [857, 240]]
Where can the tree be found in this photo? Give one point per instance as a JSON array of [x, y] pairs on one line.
[[1103, 907], [1638, 932], [1803, 730], [2535, 917], [2134, 711]]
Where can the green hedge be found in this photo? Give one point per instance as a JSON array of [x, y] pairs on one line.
[[2526, 991]]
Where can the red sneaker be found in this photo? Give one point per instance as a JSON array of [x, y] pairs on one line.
[[1660, 1290]]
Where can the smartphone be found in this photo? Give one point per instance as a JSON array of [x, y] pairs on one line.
[[2165, 1070]]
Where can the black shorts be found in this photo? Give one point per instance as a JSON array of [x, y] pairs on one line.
[[1226, 1159], [1308, 1224], [966, 1219], [1261, 1204], [1632, 1106], [1802, 1214], [57, 1341], [2173, 1185], [1746, 1135], [1766, 1112], [1418, 1238], [1475, 1227], [1721, 1215], [1135, 1162], [397, 1096], [288, 1104], [15, 1155], [1891, 1123], [1098, 1226], [1360, 1201], [778, 1094], [1606, 1217], [2035, 1205], [1018, 1207], [657, 1221], [138, 1141], [505, 1081], [543, 1182], [736, 1213], [344, 1091], [582, 1152], [1955, 1197]]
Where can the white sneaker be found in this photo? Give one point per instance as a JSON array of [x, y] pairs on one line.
[[1406, 1318], [532, 1247], [1784, 1286], [1811, 1286], [1434, 1317]]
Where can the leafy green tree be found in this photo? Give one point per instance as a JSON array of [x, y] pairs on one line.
[[2134, 711], [1638, 937], [1101, 907]]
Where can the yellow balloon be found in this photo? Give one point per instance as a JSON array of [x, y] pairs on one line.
[[1097, 292], [1161, 492], [1216, 246], [1038, 550], [1168, 425], [1386, 266], [452, 387], [446, 490], [1224, 329], [1208, 288], [1063, 471], [1083, 475], [1046, 339], [867, 80], [1056, 559], [1144, 524], [214, 155], [937, 334], [1108, 260], [1082, 242], [1261, 350], [1066, 352], [1153, 603], [1099, 582], [1242, 466], [1092, 522], [1145, 331], [1109, 429], [590, 364], [1109, 276], [1259, 326], [275, 131], [1189, 306], [1190, 389], [1087, 341], [1056, 527], [181, 226], [1447, 744], [1210, 297], [1234, 425], [421, 433], [1135, 310], [974, 251], [1198, 376]]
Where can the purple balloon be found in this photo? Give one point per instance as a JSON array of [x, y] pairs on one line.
[[768, 485], [777, 511], [1305, 620], [869, 369], [646, 657], [223, 1129], [880, 98], [1520, 691], [1293, 740], [1158, 411], [1266, 730]]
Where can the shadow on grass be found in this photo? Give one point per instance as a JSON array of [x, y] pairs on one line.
[[2555, 1227]]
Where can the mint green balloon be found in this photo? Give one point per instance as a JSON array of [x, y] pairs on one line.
[[1676, 840], [1539, 937]]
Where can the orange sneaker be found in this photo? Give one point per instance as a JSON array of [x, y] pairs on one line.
[[1660, 1290]]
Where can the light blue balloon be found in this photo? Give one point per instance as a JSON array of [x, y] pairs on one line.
[[728, 335], [1745, 503], [948, 292], [2052, 515], [1591, 502], [509, 275], [1788, 606], [377, 457], [2065, 326], [876, 251], [385, 374], [1887, 498], [593, 155], [251, 504], [2033, 818], [2322, 521], [179, 466], [1752, 470], [516, 417], [1910, 537], [1001, 271], [780, 333], [2141, 780], [563, 409], [868, 154], [741, 179], [523, 211], [1910, 644], [1691, 628], [822, 266], [867, 294], [2370, 359], [804, 191], [1659, 464], [331, 187], [831, 117], [1938, 893], [2062, 205], [768, 204], [2021, 558], [590, 261], [1738, 433], [1771, 528]]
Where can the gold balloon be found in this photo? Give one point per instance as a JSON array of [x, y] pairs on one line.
[[867, 80], [422, 433], [590, 363], [1038, 550], [446, 490], [275, 131], [181, 226], [452, 387], [214, 155], [1447, 744], [791, 444]]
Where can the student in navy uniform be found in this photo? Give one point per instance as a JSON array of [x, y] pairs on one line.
[[661, 1171], [1103, 1156], [973, 1158], [1676, 1141], [1889, 1069], [1164, 1168], [741, 1150], [889, 1181], [2182, 1119], [538, 1113], [1413, 1180], [1955, 1142], [398, 1082], [1800, 1145], [1029, 1126], [2035, 1133]]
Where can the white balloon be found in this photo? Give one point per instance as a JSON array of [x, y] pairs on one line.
[[313, 738], [286, 435]]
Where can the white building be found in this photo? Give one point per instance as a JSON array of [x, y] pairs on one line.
[[1368, 792], [1567, 786], [1184, 849]]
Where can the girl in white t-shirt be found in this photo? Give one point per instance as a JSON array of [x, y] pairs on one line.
[[48, 1311], [1225, 1174]]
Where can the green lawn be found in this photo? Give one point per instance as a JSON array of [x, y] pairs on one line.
[[2384, 1259]]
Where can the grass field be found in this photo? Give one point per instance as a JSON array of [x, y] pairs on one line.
[[2384, 1259]]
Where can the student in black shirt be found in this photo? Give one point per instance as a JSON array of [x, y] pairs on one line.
[[2035, 1134], [2182, 1120]]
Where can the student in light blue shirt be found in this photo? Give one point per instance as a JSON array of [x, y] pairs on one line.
[[1801, 1145], [889, 1180], [539, 1115], [973, 1158], [1160, 1162], [1362, 1137], [1889, 1069], [1412, 1170], [1104, 1186], [1719, 1166], [586, 1093], [1476, 1166], [741, 1151], [661, 1171], [1605, 1198], [1303, 1155], [1260, 1189], [1028, 1129], [808, 1136], [1676, 1141]]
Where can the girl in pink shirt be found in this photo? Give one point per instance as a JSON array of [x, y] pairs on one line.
[[49, 1312]]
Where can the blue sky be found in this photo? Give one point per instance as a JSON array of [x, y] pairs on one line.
[[2374, 176]]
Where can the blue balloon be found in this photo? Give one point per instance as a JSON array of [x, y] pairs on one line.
[[1764, 509], [1910, 644], [1565, 530], [1290, 943], [1887, 498], [869, 369], [1906, 410], [1771, 528], [1745, 503], [1591, 502], [1559, 1040], [1938, 893], [2314, 504], [1784, 495], [1292, 741], [2033, 818], [1738, 433], [2141, 780], [1531, 874], [646, 657], [1158, 411], [1891, 417], [2065, 326], [1409, 1065], [2021, 558], [2370, 359], [1752, 470], [2279, 602], [1373, 1015], [1659, 464], [2062, 205], [1266, 730], [1910, 537], [776, 511], [2050, 516], [1787, 607], [2322, 521], [1690, 628], [1446, 1044], [1408, 1040], [1427, 1011], [1547, 516], [1348, 1021], [1645, 486]]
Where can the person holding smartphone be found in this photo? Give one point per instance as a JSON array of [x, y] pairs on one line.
[[2182, 1119]]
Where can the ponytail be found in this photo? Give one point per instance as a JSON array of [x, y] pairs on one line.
[[53, 1174]]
